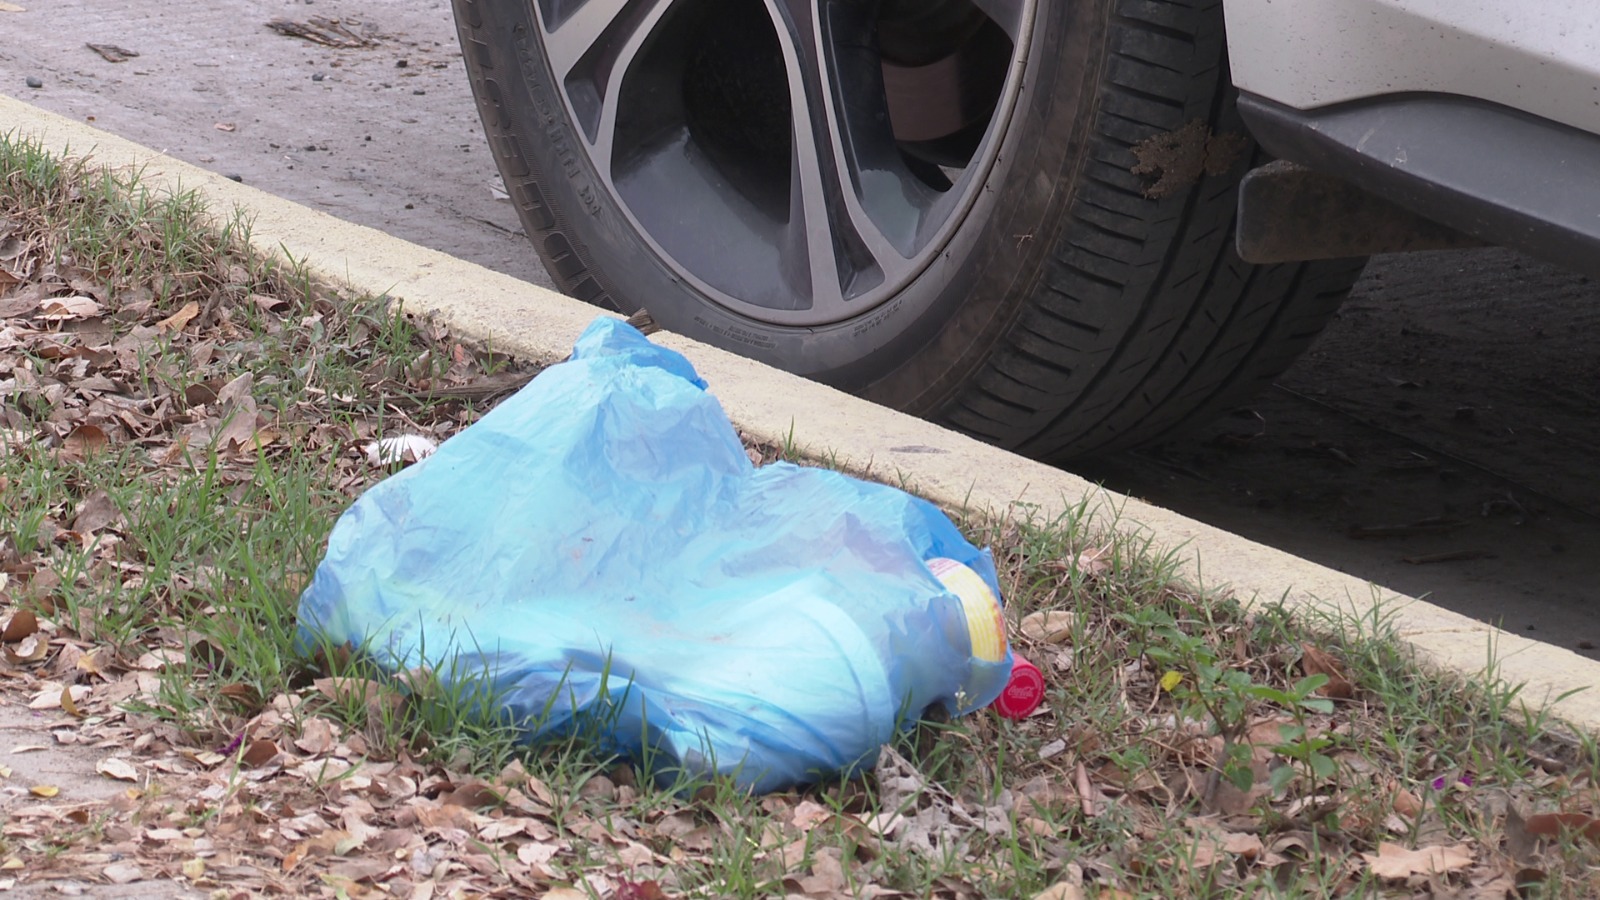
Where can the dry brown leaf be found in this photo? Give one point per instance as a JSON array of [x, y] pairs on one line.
[[1519, 844], [201, 392], [30, 649], [1395, 862], [120, 769], [267, 303], [1553, 824], [1406, 803], [1316, 661], [634, 854], [1231, 801], [294, 857], [1266, 733], [238, 431], [236, 391], [122, 873], [60, 309], [541, 791], [93, 662], [11, 307], [537, 853], [496, 830], [1036, 827], [179, 319], [1045, 794], [243, 694], [153, 662], [350, 873], [84, 441], [51, 696], [676, 825], [472, 795], [1501, 887], [208, 653], [639, 890], [69, 703], [44, 790], [23, 623], [1094, 563], [260, 752], [1215, 840], [448, 815], [808, 814], [1049, 626], [827, 874], [1243, 844], [317, 736], [340, 688], [95, 512], [598, 787], [1086, 792], [867, 845], [565, 893]]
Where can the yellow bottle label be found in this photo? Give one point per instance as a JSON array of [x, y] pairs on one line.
[[986, 622]]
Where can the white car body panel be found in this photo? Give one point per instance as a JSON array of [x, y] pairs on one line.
[[1540, 56]]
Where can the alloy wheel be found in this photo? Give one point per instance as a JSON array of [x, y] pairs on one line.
[[796, 161]]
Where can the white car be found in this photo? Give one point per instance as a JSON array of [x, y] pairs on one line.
[[1064, 226]]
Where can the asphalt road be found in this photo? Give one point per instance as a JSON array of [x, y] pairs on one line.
[[1442, 438]]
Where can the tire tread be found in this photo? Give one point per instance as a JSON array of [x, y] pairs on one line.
[[1146, 321]]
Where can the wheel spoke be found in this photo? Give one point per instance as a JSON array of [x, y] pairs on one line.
[[830, 228], [590, 51], [812, 202], [614, 28]]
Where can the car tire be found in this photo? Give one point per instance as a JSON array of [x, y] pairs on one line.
[[1045, 260]]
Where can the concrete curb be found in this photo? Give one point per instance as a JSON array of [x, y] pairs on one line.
[[516, 317]]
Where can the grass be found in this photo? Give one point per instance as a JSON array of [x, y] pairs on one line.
[[173, 459]]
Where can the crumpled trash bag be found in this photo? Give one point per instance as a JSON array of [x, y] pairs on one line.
[[600, 549]]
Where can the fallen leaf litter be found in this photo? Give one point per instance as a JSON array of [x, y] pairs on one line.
[[294, 802]]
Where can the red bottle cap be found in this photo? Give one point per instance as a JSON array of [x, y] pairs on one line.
[[1023, 693]]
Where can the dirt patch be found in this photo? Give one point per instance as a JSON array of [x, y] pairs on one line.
[[38, 761], [1179, 158], [33, 751]]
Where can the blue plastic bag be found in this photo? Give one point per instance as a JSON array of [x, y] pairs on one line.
[[601, 550]]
